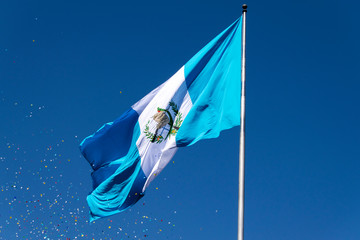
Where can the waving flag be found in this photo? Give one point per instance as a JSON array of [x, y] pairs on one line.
[[198, 102]]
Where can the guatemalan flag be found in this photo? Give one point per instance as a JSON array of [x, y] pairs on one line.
[[198, 102]]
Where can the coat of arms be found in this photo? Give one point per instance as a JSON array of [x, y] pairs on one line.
[[168, 122]]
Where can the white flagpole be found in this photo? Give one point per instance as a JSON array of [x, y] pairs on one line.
[[242, 132]]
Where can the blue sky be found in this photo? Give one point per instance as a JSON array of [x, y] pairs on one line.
[[67, 67]]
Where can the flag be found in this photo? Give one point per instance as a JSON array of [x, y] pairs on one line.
[[198, 102]]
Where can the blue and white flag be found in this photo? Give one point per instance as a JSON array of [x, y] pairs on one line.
[[198, 102]]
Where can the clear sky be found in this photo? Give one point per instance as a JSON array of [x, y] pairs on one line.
[[68, 67]]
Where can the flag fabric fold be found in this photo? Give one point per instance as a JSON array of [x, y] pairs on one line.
[[198, 102]]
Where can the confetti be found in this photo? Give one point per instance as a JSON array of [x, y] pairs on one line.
[[42, 199]]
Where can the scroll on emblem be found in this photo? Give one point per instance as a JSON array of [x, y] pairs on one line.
[[161, 119]]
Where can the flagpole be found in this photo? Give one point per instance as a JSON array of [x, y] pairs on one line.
[[242, 132]]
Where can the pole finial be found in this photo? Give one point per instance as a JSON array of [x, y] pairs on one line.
[[244, 6]]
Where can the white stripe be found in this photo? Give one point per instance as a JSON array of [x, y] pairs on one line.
[[140, 105], [155, 156]]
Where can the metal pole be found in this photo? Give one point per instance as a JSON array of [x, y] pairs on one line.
[[242, 132]]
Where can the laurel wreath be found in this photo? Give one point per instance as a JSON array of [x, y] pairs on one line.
[[177, 124], [150, 135], [174, 107]]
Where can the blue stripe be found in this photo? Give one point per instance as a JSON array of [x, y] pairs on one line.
[[112, 141], [123, 188], [202, 65], [117, 178], [135, 193], [101, 174], [213, 78]]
